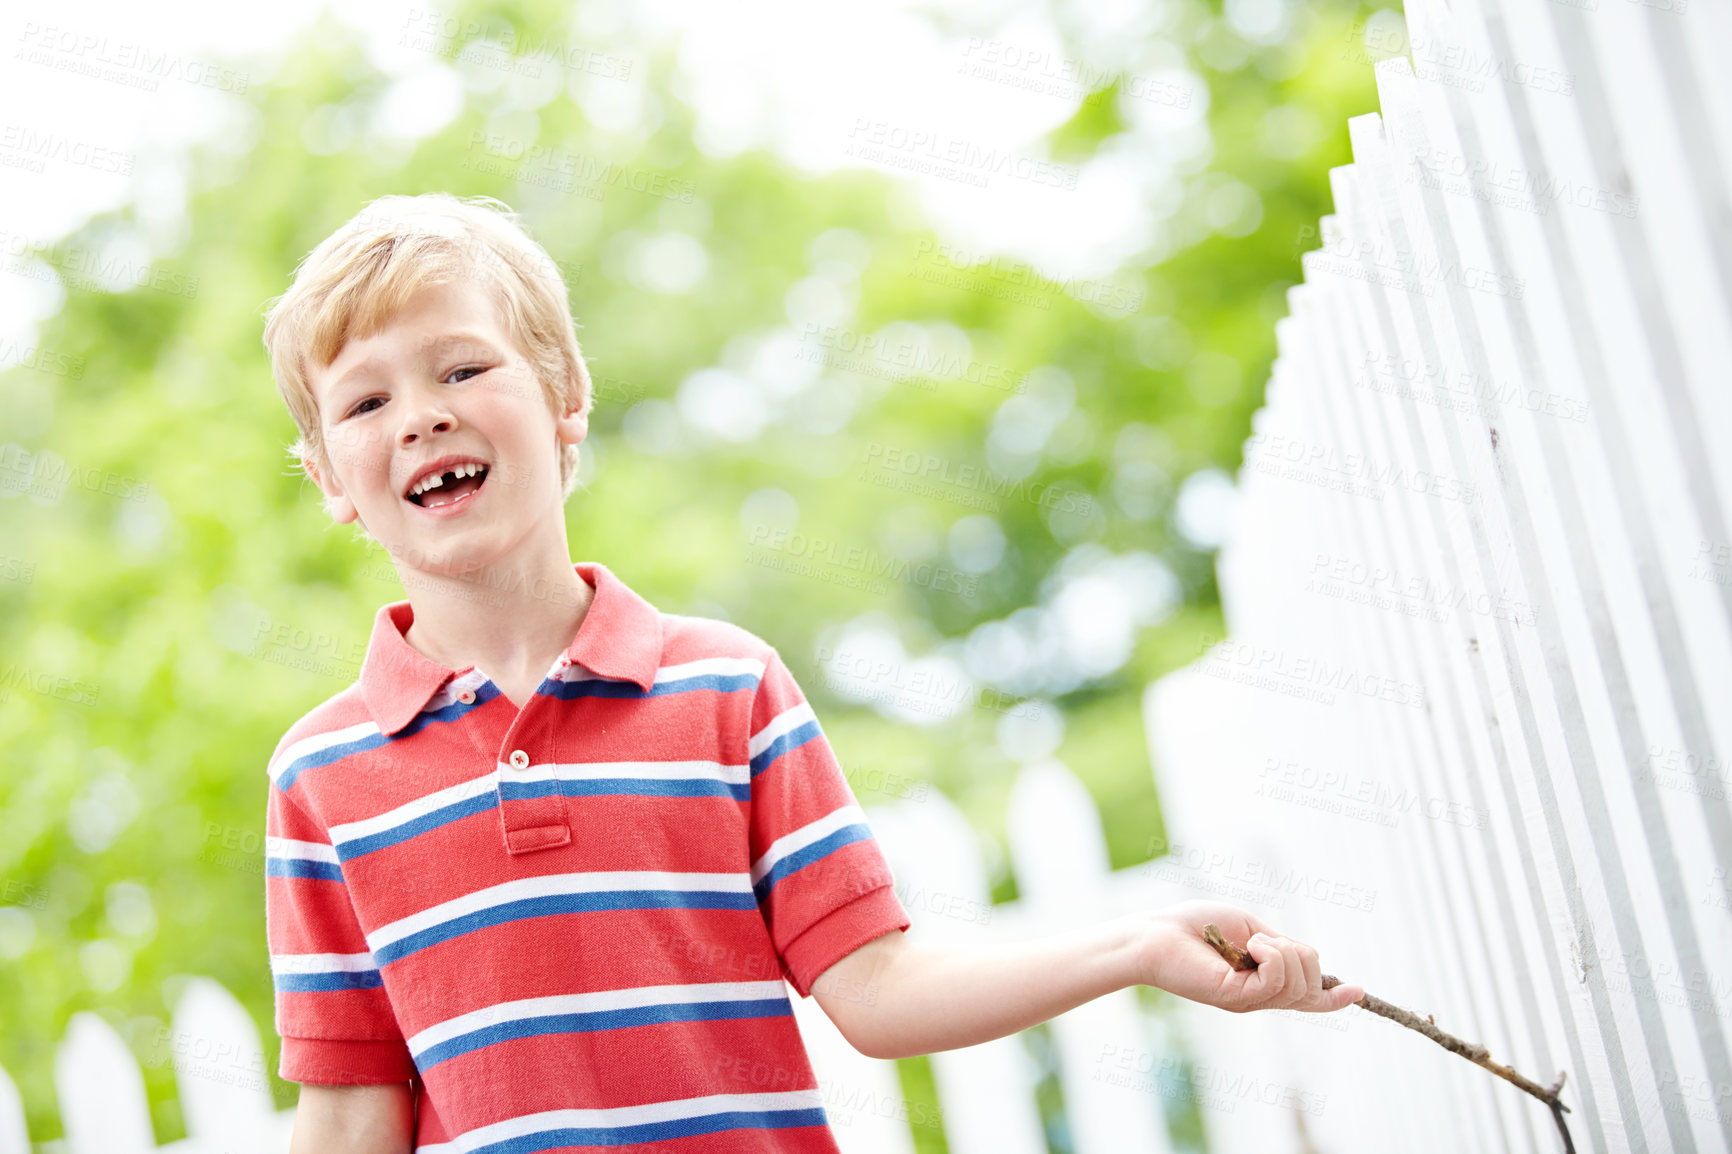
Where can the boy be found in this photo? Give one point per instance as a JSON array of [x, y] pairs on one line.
[[556, 850]]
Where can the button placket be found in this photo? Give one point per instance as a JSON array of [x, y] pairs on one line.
[[533, 822]]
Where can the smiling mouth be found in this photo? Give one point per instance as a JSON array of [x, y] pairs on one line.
[[451, 489]]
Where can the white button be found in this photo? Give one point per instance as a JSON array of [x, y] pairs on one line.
[[467, 697], [519, 759]]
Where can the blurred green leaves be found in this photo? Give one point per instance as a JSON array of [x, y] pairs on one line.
[[171, 598]]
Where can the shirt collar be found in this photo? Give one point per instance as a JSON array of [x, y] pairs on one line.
[[620, 637]]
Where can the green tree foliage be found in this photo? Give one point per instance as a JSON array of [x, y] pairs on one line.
[[173, 598]]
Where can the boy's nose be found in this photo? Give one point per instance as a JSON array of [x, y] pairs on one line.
[[416, 423]]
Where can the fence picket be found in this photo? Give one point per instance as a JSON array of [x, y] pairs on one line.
[[219, 1067], [862, 1096], [986, 1092], [1060, 857], [103, 1107], [14, 1138]]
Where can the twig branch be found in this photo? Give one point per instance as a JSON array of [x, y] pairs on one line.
[[1477, 1054]]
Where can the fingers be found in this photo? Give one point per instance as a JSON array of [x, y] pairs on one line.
[[1295, 990], [1313, 972], [1272, 970], [1291, 975]]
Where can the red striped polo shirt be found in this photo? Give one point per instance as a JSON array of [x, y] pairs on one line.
[[569, 925]]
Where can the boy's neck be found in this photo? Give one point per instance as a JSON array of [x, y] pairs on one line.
[[511, 623]]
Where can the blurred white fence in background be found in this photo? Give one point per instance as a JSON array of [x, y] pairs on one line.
[[224, 1093], [1120, 1070]]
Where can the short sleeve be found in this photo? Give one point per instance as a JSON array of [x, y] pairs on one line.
[[332, 1012], [820, 877]]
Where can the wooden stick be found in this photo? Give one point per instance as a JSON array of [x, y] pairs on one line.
[[1477, 1054]]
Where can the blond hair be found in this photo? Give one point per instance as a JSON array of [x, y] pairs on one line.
[[358, 278]]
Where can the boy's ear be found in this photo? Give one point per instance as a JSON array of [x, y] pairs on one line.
[[573, 426], [342, 508]]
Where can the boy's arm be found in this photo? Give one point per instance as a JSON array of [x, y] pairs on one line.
[[354, 1120], [331, 1008], [893, 998], [821, 882]]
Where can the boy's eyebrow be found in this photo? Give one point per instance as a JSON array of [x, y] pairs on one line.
[[434, 345]]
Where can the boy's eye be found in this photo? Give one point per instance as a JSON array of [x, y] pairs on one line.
[[474, 370]]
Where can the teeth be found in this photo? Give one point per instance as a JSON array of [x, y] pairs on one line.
[[468, 469]]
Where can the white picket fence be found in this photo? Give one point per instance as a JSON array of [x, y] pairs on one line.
[[1120, 1067], [1479, 591], [223, 1085]]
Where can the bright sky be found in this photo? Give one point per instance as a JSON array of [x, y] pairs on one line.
[[93, 115]]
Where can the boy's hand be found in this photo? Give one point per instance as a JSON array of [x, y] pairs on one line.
[[1173, 956]]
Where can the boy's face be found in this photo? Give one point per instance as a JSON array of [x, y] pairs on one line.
[[442, 378]]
